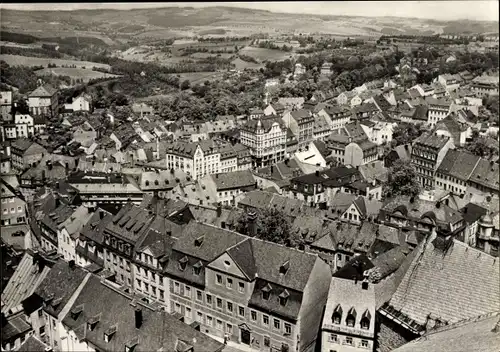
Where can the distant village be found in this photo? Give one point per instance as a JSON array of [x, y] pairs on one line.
[[358, 220]]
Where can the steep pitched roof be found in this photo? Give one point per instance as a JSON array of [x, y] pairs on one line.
[[440, 281], [116, 313], [479, 334], [458, 164], [43, 91]]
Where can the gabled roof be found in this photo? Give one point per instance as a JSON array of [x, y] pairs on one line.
[[43, 91], [486, 174], [232, 180], [458, 164], [440, 280], [478, 334]]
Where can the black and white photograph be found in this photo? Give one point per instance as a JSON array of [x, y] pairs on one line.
[[281, 176]]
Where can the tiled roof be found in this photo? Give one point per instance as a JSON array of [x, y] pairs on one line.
[[59, 285], [32, 344], [476, 334], [458, 164], [28, 275], [232, 180], [77, 220], [454, 284], [486, 174], [472, 212], [94, 228], [432, 140], [116, 312], [43, 91]]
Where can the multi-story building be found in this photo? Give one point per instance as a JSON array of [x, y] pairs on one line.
[[199, 159], [301, 123], [6, 105], [228, 186], [488, 235], [339, 116], [266, 139], [24, 126], [44, 101], [13, 206], [233, 287], [26, 153], [349, 319], [97, 188], [83, 102], [428, 151], [69, 231], [455, 171], [438, 109], [379, 132], [484, 178], [449, 81]]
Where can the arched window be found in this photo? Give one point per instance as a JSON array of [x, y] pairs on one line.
[[351, 317], [147, 183], [156, 182], [337, 315]]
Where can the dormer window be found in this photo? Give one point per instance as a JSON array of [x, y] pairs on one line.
[[92, 322], [283, 297], [351, 317], [108, 334], [365, 320], [183, 263], [199, 241], [75, 312], [130, 346], [266, 292], [284, 268], [197, 268], [337, 314]]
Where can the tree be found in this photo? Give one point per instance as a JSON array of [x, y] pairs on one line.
[[480, 147], [185, 84], [405, 133], [402, 180], [271, 225]]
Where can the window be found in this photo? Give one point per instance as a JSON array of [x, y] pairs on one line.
[[267, 341], [219, 279], [187, 291], [42, 330], [265, 320], [177, 287], [348, 340], [229, 329], [219, 303], [188, 312], [210, 320], [219, 324], [209, 299], [229, 307], [253, 315], [288, 329], [199, 295], [364, 343], [177, 308], [277, 324], [199, 317], [241, 287], [365, 323], [332, 338], [350, 321], [229, 283]]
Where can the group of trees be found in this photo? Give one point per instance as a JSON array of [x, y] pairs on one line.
[[270, 45], [402, 180], [270, 225]]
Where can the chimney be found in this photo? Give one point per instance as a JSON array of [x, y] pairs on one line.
[[71, 264], [252, 226], [101, 214], [219, 209], [138, 317], [223, 224], [317, 173]]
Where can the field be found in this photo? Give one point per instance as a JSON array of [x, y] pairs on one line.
[[85, 74], [200, 77], [263, 54], [15, 60], [240, 65]]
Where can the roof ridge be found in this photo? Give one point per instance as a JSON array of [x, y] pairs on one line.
[[462, 322]]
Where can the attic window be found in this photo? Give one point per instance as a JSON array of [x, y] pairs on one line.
[[56, 302], [92, 322], [75, 312], [199, 241], [146, 183], [197, 268], [283, 297], [351, 317], [108, 334], [337, 314], [130, 346], [365, 320], [266, 292], [284, 268], [183, 263]]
